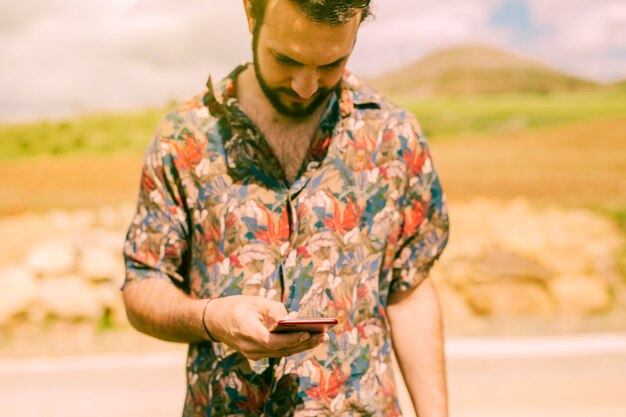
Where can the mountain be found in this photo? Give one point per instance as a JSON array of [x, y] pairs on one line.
[[477, 70]]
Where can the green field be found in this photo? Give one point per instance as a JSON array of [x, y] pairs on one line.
[[103, 133], [441, 118], [455, 117]]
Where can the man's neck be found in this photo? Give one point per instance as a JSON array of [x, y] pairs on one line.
[[290, 139]]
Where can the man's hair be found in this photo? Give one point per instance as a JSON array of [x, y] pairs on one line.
[[330, 12]]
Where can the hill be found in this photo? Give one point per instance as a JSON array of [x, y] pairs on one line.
[[473, 70], [621, 85]]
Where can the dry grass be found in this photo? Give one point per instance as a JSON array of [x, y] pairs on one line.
[[67, 182], [582, 164]]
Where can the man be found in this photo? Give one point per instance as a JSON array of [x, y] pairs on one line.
[[292, 189]]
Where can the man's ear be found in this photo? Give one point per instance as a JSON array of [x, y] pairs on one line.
[[247, 4]]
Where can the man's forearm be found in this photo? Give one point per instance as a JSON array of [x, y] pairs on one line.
[[417, 334], [156, 307]]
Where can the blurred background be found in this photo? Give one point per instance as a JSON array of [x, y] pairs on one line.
[[524, 105]]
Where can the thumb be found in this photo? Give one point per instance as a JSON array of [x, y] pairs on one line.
[[293, 314], [275, 311]]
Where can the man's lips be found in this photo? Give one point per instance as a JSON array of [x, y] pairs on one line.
[[296, 99], [293, 97]]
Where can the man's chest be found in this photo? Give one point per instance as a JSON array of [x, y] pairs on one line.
[[289, 144], [330, 231]]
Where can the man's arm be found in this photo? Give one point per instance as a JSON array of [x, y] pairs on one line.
[[156, 307], [417, 335]]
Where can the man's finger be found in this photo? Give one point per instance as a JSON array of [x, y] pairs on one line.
[[276, 311], [270, 311], [309, 344], [292, 315], [263, 352], [305, 343], [278, 341]]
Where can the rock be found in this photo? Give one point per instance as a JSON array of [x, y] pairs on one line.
[[111, 241], [454, 308], [17, 291], [126, 213], [83, 219], [456, 272], [499, 264], [60, 219], [19, 234], [97, 263], [109, 217], [493, 265], [52, 258], [111, 299], [581, 295], [529, 247], [70, 298], [509, 298]]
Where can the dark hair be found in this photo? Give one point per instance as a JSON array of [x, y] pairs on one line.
[[331, 12]]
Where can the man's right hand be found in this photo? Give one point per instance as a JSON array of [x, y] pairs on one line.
[[242, 323]]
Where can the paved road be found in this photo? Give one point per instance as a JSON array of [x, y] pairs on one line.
[[487, 378]]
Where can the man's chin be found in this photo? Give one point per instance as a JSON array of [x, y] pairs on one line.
[[295, 110]]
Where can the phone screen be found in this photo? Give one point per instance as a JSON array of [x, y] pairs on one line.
[[303, 324]]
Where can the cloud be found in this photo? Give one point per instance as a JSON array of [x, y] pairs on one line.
[[583, 37], [63, 57], [115, 54], [414, 28]]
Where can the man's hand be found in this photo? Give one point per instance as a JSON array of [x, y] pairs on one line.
[[156, 307], [242, 323]]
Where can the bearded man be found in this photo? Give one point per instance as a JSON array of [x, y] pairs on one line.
[[290, 188]]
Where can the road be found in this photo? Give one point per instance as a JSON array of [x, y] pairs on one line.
[[571, 377]]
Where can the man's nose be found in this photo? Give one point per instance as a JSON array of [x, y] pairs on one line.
[[305, 83]]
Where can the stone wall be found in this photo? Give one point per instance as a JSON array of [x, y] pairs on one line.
[[63, 265], [513, 260], [503, 260]]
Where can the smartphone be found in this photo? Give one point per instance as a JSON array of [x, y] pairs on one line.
[[303, 324]]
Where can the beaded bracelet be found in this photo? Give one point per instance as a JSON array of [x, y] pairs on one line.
[[204, 322]]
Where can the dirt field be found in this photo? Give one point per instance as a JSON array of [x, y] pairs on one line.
[[582, 164], [68, 182]]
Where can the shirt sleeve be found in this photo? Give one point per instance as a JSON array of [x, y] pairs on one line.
[[424, 213], [156, 242]]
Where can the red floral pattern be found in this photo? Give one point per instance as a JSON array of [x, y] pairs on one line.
[[365, 217]]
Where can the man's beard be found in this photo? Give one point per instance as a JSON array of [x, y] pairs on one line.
[[292, 110]]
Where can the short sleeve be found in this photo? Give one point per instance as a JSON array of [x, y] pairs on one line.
[[156, 241], [424, 214]]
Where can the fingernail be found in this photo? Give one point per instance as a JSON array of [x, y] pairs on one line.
[[305, 336]]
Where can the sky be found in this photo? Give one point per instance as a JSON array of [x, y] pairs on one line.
[[59, 58]]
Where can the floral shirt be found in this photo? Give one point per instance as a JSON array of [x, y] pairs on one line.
[[366, 216]]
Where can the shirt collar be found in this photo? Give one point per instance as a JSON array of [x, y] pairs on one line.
[[354, 95], [222, 101], [248, 155]]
